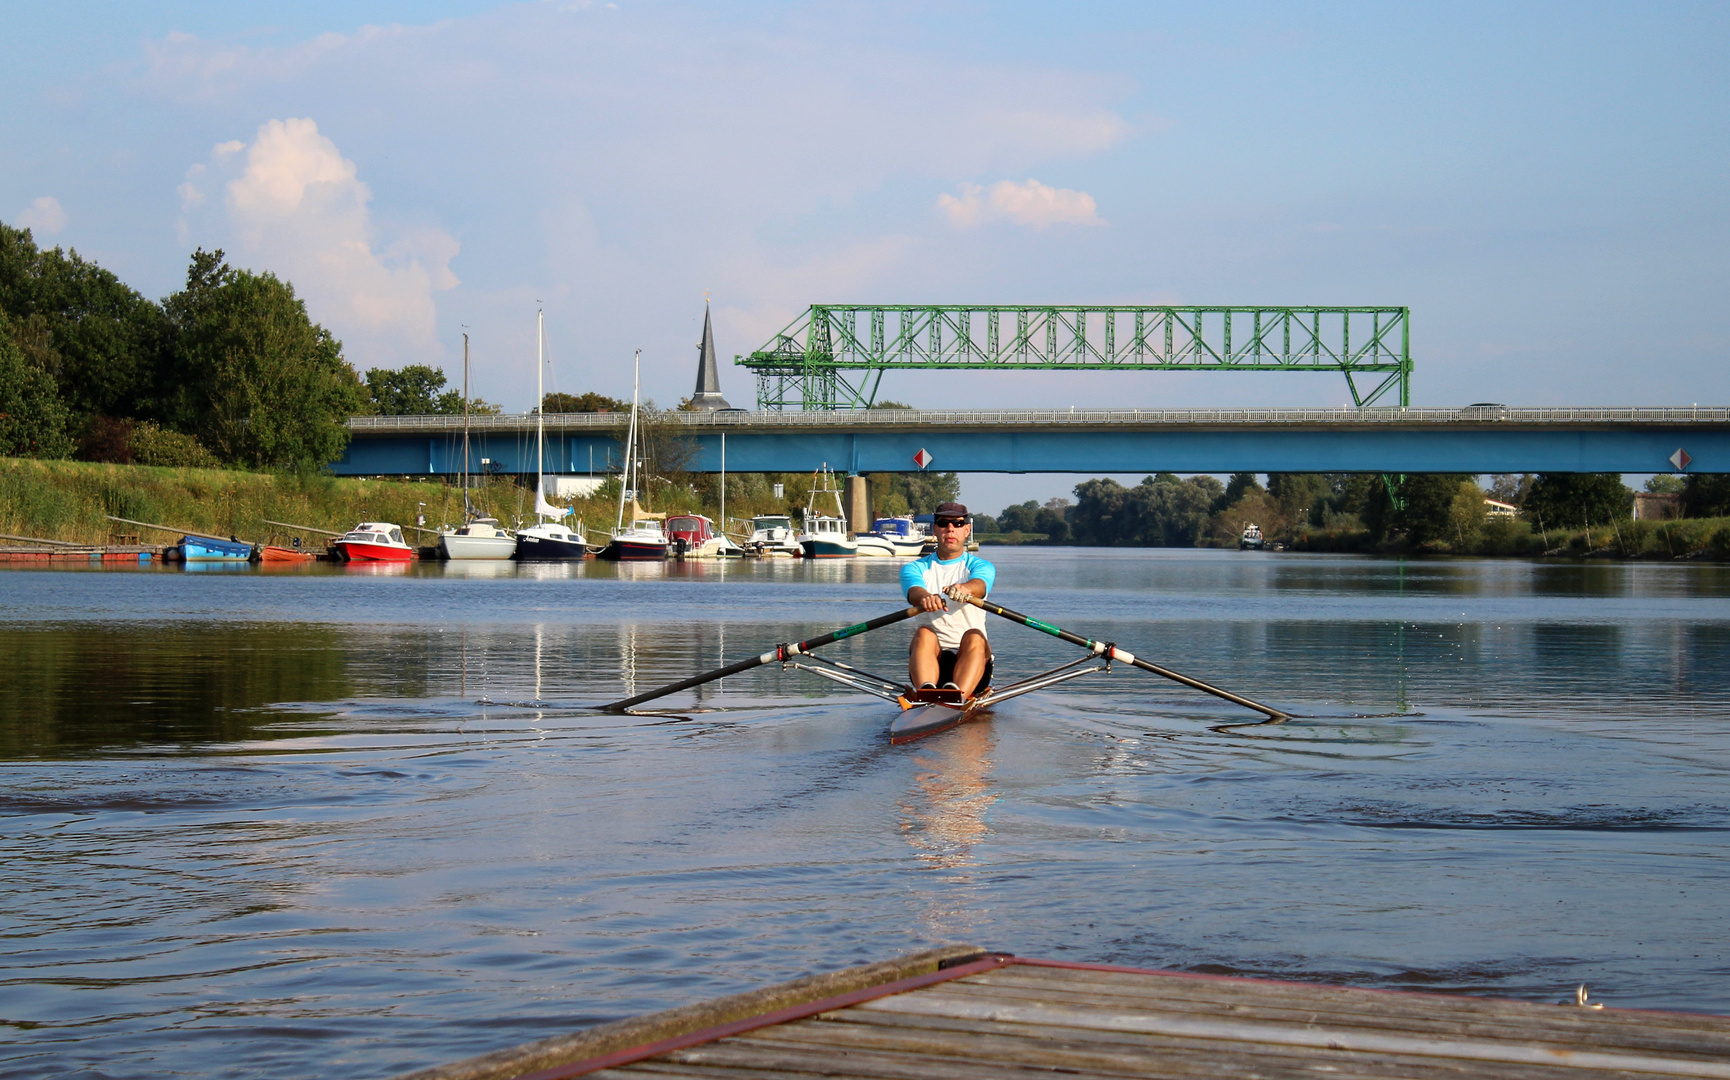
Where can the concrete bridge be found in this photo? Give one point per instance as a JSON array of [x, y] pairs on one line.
[[1478, 439]]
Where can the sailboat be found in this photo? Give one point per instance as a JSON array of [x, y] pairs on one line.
[[546, 540], [479, 537], [644, 540]]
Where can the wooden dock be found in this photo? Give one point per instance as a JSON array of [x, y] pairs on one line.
[[81, 553], [966, 1013]]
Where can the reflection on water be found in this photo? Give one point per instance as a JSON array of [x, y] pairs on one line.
[[278, 824], [944, 815]]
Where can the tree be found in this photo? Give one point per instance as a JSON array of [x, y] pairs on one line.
[[1300, 495], [1665, 484], [1241, 484], [1429, 504], [411, 391], [105, 346], [32, 416], [1511, 489], [257, 381], [1570, 500], [579, 403], [1467, 511], [1706, 495]]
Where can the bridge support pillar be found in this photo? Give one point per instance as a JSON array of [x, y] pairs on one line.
[[858, 500]]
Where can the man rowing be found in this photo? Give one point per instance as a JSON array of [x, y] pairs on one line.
[[949, 650]]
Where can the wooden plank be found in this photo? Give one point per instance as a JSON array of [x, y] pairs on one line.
[[1393, 1012], [939, 1002], [638, 1031], [1225, 988], [1117, 1054]]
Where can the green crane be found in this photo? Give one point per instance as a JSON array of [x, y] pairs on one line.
[[834, 355]]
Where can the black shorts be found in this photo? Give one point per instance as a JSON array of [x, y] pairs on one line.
[[946, 671]]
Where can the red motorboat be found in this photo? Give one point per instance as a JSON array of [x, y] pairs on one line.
[[373, 541]]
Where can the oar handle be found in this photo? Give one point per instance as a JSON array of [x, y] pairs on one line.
[[777, 654], [1124, 656]]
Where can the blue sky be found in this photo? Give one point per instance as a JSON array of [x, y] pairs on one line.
[[1541, 183]]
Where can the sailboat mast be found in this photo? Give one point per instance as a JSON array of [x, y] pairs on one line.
[[465, 425], [540, 407], [630, 440]]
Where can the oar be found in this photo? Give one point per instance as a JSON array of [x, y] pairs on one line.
[[1115, 653], [775, 655]]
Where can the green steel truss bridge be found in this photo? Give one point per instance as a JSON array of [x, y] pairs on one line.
[[834, 355]]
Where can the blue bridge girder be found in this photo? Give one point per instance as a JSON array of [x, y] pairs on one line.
[[1092, 442]]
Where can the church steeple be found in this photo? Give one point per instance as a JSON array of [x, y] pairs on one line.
[[708, 394]]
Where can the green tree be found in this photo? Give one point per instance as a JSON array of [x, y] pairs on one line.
[[1467, 511], [1241, 484], [1706, 495], [576, 403], [32, 416], [106, 346], [1665, 484], [1575, 500], [1429, 503], [413, 390], [1300, 495], [257, 381]]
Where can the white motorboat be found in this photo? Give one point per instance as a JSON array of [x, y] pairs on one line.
[[897, 537], [772, 534], [1251, 540]]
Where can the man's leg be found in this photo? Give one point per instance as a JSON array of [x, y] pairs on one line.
[[922, 658], [970, 660]]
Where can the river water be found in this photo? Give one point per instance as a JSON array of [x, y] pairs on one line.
[[332, 821]]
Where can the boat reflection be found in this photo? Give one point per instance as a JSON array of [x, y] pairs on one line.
[[943, 817], [378, 569]]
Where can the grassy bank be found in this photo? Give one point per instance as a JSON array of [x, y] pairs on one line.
[[67, 500]]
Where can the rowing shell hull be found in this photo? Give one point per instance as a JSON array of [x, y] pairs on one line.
[[918, 719]]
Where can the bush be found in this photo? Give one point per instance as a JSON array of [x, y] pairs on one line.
[[153, 445]]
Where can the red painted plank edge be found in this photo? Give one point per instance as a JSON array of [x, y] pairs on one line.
[[990, 962]]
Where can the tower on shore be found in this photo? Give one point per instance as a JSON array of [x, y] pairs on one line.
[[708, 394]]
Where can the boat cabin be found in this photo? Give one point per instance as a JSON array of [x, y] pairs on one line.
[[374, 532], [896, 526], [693, 529]]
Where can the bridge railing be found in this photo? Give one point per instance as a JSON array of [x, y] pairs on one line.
[[868, 418]]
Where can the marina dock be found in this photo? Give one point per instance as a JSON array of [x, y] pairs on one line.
[[964, 1012], [80, 553]]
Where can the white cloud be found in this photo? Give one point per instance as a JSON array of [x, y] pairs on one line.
[[44, 216], [1027, 203], [291, 203]]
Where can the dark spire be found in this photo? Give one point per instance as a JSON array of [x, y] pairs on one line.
[[708, 396]]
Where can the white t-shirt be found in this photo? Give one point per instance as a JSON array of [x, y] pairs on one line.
[[934, 575]]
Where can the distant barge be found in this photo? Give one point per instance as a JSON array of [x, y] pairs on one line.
[[964, 1012]]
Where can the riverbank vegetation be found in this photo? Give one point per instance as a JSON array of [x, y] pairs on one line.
[[1557, 514]]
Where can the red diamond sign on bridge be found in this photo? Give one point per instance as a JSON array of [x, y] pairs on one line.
[[922, 458], [1680, 459]]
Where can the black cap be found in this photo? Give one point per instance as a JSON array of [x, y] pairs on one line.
[[949, 510]]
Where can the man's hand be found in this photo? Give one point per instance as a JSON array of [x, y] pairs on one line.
[[927, 601]]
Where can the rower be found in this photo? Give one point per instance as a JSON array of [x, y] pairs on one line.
[[949, 651]]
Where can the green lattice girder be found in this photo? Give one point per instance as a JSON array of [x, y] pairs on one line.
[[803, 366]]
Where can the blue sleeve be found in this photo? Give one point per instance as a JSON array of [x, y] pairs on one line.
[[984, 571], [912, 574]]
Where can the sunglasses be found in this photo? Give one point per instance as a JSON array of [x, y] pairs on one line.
[[951, 524]]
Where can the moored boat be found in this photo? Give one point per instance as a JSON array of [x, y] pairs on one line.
[[276, 553], [1251, 540], [899, 537], [772, 534], [644, 540], [694, 536], [825, 536], [210, 549], [373, 541], [549, 539], [481, 538]]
